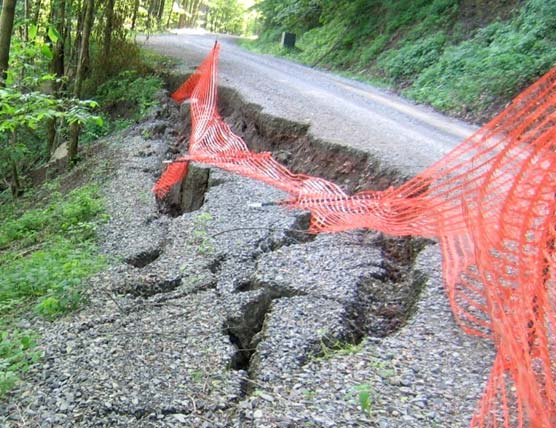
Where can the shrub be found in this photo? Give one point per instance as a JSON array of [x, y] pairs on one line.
[[412, 57]]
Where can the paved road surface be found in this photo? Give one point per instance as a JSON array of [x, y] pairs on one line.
[[402, 135]]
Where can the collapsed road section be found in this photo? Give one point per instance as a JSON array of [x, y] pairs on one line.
[[215, 314]]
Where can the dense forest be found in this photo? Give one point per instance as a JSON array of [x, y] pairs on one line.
[[55, 53], [465, 57]]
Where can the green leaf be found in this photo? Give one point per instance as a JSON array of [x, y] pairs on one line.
[[47, 52], [53, 34], [47, 77], [26, 342], [32, 32], [10, 78]]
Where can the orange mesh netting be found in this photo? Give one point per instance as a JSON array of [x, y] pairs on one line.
[[490, 203]]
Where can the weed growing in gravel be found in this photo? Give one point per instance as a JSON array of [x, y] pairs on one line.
[[197, 376], [200, 234], [383, 369], [330, 349], [364, 396], [309, 394]]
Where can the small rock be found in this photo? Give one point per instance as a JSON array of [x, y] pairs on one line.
[[266, 397], [180, 417]]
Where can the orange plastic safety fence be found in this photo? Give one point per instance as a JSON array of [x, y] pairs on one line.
[[490, 203], [174, 173]]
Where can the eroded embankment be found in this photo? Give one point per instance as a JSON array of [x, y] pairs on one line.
[[215, 314]]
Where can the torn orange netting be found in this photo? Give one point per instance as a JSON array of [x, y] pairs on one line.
[[490, 203]]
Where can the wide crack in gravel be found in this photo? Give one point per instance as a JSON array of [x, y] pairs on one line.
[[215, 314]]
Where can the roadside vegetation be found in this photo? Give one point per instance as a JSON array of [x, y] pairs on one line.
[[70, 72], [467, 58], [45, 254]]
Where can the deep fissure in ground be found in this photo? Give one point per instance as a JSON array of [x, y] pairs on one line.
[[390, 298]]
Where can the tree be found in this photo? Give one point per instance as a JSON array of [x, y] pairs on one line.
[[6, 29], [57, 39], [134, 16], [225, 16], [107, 37], [292, 15], [80, 74]]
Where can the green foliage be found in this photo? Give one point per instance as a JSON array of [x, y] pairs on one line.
[[330, 348], [25, 108], [68, 215], [225, 16], [45, 253], [338, 348], [131, 87], [124, 99], [16, 355], [426, 48], [29, 110], [200, 236], [412, 57], [493, 65], [291, 15], [28, 61], [364, 397]]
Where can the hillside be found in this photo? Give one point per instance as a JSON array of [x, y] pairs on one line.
[[467, 57]]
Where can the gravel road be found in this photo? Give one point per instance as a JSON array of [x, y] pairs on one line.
[[231, 316], [341, 111]]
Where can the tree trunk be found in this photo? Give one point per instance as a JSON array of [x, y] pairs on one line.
[[153, 7], [108, 28], [37, 12], [68, 46], [78, 35], [57, 18], [190, 13], [135, 11], [160, 12], [15, 185], [182, 17], [169, 17], [195, 15], [6, 27], [87, 27], [50, 138], [148, 23], [80, 74], [26, 11]]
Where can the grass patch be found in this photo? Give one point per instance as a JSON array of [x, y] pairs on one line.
[[16, 356], [45, 254]]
